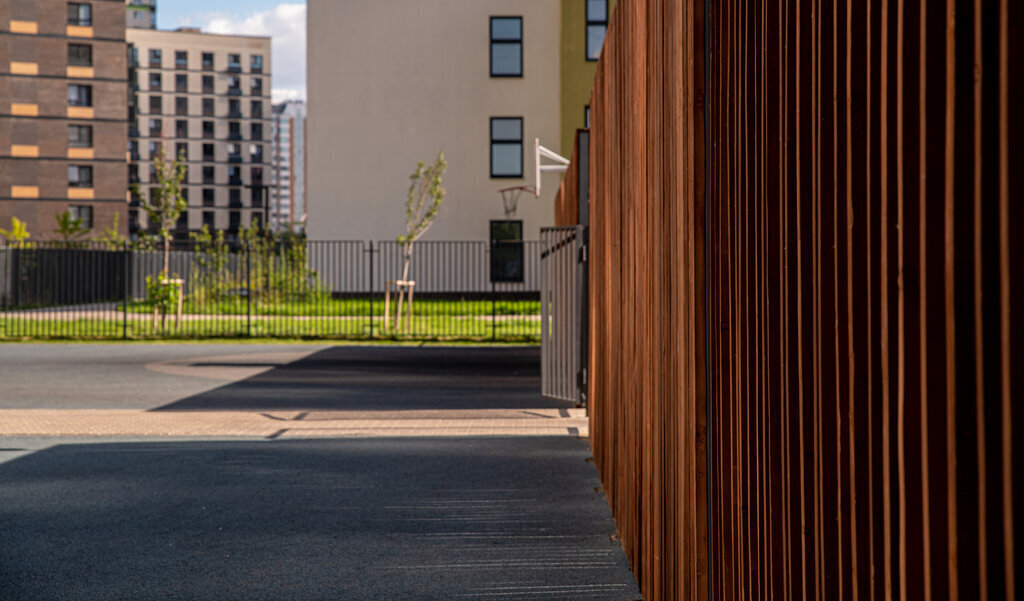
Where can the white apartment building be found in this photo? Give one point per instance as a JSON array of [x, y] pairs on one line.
[[288, 168], [392, 82], [207, 97]]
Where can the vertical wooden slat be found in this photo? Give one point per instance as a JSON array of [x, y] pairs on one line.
[[859, 351]]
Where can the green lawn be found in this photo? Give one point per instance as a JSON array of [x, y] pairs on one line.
[[444, 327], [350, 307]]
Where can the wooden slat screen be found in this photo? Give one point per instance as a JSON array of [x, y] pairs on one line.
[[855, 435]]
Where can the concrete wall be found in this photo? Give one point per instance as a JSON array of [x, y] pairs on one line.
[[391, 82]]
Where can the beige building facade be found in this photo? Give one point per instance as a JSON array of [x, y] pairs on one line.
[[392, 82], [206, 96]]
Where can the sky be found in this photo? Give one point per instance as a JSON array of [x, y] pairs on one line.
[[284, 21]]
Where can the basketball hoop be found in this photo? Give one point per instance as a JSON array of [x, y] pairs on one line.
[[510, 198]]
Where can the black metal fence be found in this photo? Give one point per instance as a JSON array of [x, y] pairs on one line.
[[272, 288]]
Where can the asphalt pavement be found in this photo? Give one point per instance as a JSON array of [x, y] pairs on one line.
[[337, 517]]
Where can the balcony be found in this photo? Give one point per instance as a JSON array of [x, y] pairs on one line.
[[234, 158], [235, 91], [234, 181]]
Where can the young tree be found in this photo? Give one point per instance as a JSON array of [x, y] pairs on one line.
[[166, 203], [17, 235], [422, 204], [69, 228]]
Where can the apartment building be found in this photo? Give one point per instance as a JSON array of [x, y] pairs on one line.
[[205, 97], [391, 82], [288, 173], [63, 111], [140, 13]]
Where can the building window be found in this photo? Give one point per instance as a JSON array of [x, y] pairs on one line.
[[80, 55], [79, 14], [133, 56], [506, 46], [181, 105], [208, 217], [506, 147], [156, 128], [234, 221], [235, 63], [133, 149], [234, 197], [82, 212], [256, 153], [208, 197], [257, 131], [156, 104], [155, 81], [181, 128], [207, 84], [181, 59], [234, 84], [256, 63], [234, 153], [208, 129], [234, 107], [207, 107], [182, 224], [155, 148], [597, 26], [155, 57], [207, 61], [79, 176], [208, 152], [133, 174], [181, 150], [234, 130], [79, 95], [208, 177], [234, 176], [80, 136], [181, 82], [586, 116], [257, 86], [256, 109]]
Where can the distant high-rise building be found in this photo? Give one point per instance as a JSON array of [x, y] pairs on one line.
[[207, 97], [140, 14], [288, 172], [63, 106]]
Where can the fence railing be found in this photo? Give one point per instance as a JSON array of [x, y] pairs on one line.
[[321, 289]]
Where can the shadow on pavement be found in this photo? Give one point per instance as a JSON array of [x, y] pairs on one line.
[[387, 378], [477, 518]]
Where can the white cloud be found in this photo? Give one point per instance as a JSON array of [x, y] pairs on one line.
[[286, 25]]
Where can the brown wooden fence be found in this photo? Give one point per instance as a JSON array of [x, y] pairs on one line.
[[805, 392]]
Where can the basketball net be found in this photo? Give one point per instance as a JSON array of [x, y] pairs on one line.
[[510, 199]]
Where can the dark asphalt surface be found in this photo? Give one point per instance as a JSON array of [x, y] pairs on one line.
[[382, 518], [387, 378]]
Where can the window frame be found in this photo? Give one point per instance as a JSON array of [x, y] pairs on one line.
[[180, 63], [493, 141], [79, 181], [77, 101], [78, 21], [505, 42], [77, 141], [156, 57], [588, 23], [75, 61], [83, 212]]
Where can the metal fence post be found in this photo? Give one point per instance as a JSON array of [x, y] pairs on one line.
[[126, 255], [248, 289], [371, 288]]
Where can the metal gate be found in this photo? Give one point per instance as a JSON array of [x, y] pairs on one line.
[[563, 313]]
